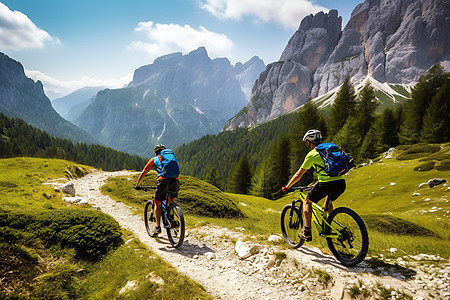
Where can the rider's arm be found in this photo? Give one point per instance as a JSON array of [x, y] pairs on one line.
[[144, 172], [306, 165], [296, 177]]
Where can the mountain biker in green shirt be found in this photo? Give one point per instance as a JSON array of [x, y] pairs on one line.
[[327, 186]]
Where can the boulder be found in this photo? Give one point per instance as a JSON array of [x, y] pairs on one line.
[[436, 181]]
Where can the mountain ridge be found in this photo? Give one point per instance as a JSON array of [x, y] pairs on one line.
[[391, 41], [22, 97], [175, 100]]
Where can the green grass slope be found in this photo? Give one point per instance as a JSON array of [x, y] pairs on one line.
[[50, 249]]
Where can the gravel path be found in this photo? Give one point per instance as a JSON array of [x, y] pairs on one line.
[[208, 256]]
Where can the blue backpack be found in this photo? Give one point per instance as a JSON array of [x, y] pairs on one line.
[[169, 167], [336, 161]]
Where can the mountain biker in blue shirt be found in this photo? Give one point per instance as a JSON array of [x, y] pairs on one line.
[[327, 186], [163, 184]]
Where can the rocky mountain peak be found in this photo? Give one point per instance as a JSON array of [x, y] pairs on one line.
[[393, 42], [313, 42]]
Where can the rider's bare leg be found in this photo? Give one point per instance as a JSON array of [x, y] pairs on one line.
[[157, 212], [330, 206], [307, 210]]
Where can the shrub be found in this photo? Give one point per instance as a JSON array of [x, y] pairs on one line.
[[392, 225], [443, 165], [204, 199], [417, 151], [426, 166], [91, 233]]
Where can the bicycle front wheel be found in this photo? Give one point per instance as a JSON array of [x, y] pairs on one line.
[[352, 243], [291, 225], [175, 232], [149, 218]]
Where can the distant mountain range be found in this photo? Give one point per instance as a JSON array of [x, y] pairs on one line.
[[177, 99], [21, 97], [71, 106], [392, 42]]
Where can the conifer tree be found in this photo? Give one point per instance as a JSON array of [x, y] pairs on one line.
[[308, 118], [365, 108], [261, 183], [436, 122], [348, 138], [386, 130], [369, 146], [212, 177], [241, 177], [342, 108], [421, 96]]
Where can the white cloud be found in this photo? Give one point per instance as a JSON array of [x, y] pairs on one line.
[[288, 13], [18, 32], [162, 39], [55, 88]]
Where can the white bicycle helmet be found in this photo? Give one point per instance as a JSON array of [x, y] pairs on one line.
[[313, 135]]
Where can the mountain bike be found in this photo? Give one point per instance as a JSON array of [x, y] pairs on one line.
[[344, 230], [171, 215]]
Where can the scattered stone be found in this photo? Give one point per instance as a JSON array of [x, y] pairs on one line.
[[245, 251], [210, 255], [416, 194], [389, 153], [423, 184], [155, 278], [382, 188], [73, 200], [392, 183], [131, 285], [436, 181], [274, 238], [68, 188]]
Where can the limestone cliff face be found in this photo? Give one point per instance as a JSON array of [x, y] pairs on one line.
[[393, 41]]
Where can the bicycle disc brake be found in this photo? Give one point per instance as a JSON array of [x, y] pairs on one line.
[[346, 235]]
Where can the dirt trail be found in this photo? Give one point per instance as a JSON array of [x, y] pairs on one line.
[[208, 256]]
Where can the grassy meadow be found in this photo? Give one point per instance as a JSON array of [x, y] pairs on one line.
[[44, 242], [382, 193], [45, 253]]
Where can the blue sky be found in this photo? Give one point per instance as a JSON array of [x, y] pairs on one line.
[[68, 44]]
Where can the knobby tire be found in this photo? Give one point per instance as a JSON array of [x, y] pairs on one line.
[[149, 218], [176, 219], [352, 248], [290, 228]]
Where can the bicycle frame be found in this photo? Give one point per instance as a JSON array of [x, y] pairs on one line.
[[164, 204], [319, 218]]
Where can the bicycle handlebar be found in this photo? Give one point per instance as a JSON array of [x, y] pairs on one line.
[[145, 188], [301, 188]]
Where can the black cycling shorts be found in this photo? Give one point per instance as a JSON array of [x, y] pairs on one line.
[[332, 189], [167, 185]]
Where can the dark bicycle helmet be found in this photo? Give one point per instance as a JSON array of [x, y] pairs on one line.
[[159, 147], [314, 136]]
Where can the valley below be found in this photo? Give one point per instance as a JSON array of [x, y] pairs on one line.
[[208, 256]]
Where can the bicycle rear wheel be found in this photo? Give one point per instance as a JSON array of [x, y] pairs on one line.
[[291, 226], [175, 232], [149, 218], [350, 248]]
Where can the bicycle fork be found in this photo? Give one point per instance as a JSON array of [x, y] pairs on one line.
[[164, 215], [295, 225]]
